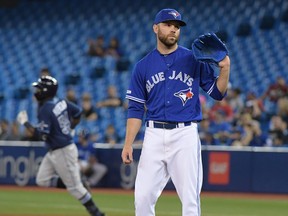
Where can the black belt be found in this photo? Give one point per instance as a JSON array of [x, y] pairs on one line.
[[168, 125]]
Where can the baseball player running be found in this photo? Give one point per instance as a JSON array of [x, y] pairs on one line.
[[59, 167], [166, 84]]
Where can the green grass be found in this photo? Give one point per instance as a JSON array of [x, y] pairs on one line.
[[216, 206], [38, 202]]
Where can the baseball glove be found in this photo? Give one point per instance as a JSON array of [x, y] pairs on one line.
[[209, 48]]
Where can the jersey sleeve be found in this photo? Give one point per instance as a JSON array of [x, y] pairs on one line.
[[74, 110], [135, 110], [44, 122], [208, 82], [136, 94], [137, 91]]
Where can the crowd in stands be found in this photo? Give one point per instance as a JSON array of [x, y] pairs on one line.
[[240, 119], [248, 120], [96, 47]]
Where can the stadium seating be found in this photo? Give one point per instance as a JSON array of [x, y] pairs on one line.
[[54, 34]]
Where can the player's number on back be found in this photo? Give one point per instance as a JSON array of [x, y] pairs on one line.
[[64, 122]]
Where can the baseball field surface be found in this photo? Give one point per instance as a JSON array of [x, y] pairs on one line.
[[35, 201]]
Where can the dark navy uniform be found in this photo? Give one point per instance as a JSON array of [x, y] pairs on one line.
[[56, 119]]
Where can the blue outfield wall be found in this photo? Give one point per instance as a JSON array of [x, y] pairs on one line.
[[247, 169]]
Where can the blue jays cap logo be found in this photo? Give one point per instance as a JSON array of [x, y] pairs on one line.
[[169, 14], [175, 14], [184, 95]]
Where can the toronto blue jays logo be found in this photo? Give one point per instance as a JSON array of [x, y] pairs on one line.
[[174, 14], [184, 95]]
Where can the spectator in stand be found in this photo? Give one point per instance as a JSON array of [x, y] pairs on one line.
[[245, 133], [235, 136], [251, 132], [258, 137], [282, 108], [71, 95], [89, 113], [96, 47], [112, 100], [278, 132], [275, 91], [113, 49], [220, 128], [111, 136], [15, 132], [254, 106], [4, 129], [91, 169], [223, 107], [206, 134], [234, 98]]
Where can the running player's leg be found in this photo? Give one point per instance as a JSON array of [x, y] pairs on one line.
[[185, 168], [67, 167], [46, 173], [47, 176], [152, 175]]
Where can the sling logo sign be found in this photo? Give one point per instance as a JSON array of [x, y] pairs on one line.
[[20, 168], [219, 168]]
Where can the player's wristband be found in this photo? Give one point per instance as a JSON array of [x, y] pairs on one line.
[[28, 125]]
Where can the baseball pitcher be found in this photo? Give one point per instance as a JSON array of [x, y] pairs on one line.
[[166, 84]]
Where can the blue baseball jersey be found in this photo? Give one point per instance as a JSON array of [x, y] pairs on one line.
[[54, 121], [169, 86]]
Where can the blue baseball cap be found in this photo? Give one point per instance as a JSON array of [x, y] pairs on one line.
[[169, 14]]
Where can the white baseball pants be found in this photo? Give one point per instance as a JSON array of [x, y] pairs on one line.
[[168, 153]]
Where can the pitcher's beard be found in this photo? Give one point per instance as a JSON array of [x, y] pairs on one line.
[[168, 42]]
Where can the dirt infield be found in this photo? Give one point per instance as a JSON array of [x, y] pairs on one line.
[[123, 191]]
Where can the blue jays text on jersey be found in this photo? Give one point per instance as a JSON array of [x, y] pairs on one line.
[[54, 118], [159, 77], [168, 85]]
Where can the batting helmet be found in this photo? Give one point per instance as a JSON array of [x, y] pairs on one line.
[[46, 87]]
